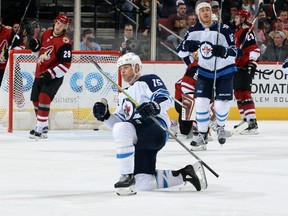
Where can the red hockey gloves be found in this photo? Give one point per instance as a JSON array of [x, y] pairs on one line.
[[34, 45], [148, 108], [190, 45], [101, 110]]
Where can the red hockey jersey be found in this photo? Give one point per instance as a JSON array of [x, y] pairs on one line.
[[5, 40], [55, 54], [250, 47]]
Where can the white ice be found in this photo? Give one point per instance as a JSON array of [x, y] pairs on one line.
[[72, 173]]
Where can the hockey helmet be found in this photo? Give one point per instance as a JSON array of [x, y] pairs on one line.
[[130, 58], [202, 5], [63, 19], [243, 14]]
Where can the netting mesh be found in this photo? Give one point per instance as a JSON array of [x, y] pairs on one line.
[[83, 85]]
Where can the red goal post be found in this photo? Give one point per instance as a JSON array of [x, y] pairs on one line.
[[71, 108]]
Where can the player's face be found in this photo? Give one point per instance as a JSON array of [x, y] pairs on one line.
[[58, 28], [205, 15], [127, 72]]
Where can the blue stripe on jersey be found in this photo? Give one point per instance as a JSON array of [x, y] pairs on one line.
[[210, 74], [121, 116], [160, 95]]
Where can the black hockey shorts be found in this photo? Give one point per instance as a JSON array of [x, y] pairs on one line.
[[243, 80], [151, 138], [224, 87], [50, 88]]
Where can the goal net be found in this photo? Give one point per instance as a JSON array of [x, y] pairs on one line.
[[73, 104]]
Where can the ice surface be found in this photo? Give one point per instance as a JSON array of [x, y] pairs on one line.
[[72, 173]]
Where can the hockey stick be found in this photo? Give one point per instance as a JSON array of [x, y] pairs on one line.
[[154, 119], [274, 9], [237, 130], [252, 25], [22, 19], [217, 42]]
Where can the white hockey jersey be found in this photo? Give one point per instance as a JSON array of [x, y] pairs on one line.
[[207, 38], [146, 88]]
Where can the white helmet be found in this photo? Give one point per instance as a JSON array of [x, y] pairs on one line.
[[199, 7], [202, 5], [130, 58]]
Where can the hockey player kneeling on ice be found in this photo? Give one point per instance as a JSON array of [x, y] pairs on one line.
[[137, 137]]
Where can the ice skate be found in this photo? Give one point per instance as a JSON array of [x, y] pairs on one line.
[[125, 185], [221, 134], [39, 133], [199, 143], [252, 128], [189, 175]]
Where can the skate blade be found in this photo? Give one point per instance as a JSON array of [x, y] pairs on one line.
[[249, 132], [199, 170], [199, 148], [43, 136], [126, 191]]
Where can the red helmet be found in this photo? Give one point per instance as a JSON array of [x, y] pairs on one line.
[[243, 13], [63, 19]]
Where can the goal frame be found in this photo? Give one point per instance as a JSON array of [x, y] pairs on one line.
[[11, 76]]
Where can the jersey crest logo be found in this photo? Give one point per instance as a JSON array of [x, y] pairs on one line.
[[65, 40], [46, 55], [3, 46], [128, 109], [206, 50]]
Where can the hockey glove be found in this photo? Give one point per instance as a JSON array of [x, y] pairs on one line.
[[46, 76], [219, 51], [285, 66], [148, 108], [17, 40], [34, 45], [252, 65], [101, 110], [190, 45]]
